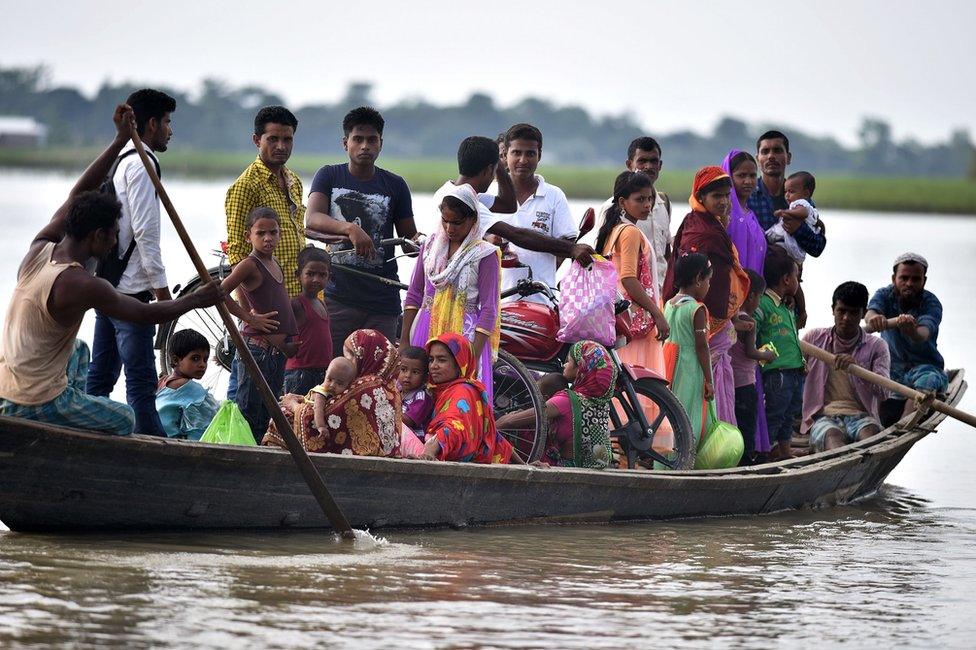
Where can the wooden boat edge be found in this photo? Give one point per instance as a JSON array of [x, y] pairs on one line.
[[889, 444]]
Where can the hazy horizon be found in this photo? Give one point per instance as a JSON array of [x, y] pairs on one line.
[[838, 62]]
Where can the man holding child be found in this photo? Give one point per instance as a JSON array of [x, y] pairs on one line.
[[771, 205], [773, 155]]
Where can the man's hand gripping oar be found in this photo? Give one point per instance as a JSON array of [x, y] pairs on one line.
[[922, 399]]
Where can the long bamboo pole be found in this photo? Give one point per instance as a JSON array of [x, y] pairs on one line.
[[890, 385], [329, 507]]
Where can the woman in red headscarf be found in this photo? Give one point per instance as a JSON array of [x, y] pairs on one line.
[[704, 230], [463, 426], [364, 419]]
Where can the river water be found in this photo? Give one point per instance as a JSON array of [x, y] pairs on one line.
[[896, 570]]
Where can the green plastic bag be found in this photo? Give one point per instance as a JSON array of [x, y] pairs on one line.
[[722, 445], [229, 427]]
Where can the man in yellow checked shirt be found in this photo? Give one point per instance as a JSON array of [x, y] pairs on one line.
[[268, 182]]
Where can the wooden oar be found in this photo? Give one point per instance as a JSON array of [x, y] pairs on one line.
[[309, 473], [889, 384]]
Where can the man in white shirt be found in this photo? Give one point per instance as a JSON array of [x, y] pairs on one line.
[[478, 165], [117, 343], [541, 207], [644, 155]]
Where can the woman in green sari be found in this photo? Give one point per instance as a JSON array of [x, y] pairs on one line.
[[579, 416]]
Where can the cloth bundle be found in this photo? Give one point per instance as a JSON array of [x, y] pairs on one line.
[[722, 446]]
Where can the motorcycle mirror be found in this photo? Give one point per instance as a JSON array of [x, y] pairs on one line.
[[587, 222]]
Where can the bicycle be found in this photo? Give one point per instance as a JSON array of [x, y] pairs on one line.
[[514, 384]]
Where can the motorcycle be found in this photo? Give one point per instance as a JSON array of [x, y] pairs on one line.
[[528, 333]]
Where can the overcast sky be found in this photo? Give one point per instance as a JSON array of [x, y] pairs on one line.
[[820, 65]]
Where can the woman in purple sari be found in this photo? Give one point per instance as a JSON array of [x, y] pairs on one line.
[[744, 229], [750, 242]]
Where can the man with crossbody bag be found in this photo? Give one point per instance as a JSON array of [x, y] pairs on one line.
[[138, 272], [111, 267]]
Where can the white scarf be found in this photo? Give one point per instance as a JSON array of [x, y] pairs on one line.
[[461, 270]]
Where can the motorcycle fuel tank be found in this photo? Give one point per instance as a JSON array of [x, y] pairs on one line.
[[529, 331]]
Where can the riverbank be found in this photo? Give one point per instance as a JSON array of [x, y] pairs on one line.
[[929, 195]]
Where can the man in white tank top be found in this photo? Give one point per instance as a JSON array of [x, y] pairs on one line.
[[644, 155], [42, 366]]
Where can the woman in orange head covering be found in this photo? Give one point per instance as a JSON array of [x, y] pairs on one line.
[[463, 426], [704, 231]]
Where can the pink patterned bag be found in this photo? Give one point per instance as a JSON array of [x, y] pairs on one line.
[[586, 300]]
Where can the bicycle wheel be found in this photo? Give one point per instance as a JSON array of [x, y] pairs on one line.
[[671, 434], [208, 323], [515, 390]]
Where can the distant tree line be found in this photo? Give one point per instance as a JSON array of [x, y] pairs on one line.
[[219, 117]]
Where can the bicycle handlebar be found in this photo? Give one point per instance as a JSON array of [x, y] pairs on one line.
[[408, 245]]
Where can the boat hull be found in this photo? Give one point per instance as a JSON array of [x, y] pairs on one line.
[[63, 479]]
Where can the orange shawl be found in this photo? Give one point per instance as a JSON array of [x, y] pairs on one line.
[[702, 232]]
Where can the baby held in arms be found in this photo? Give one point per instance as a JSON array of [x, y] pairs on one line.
[[798, 190], [340, 373]]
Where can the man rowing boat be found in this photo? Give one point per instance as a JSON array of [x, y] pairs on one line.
[[908, 316], [42, 367]]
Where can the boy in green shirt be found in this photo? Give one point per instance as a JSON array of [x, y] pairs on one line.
[[782, 377]]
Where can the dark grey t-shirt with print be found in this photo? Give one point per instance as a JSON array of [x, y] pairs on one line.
[[375, 206]]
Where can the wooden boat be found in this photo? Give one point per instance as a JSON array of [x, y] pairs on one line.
[[53, 478]]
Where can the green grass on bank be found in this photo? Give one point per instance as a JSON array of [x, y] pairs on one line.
[[938, 195]]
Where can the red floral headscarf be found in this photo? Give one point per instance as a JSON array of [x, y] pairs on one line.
[[374, 354], [365, 418]]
